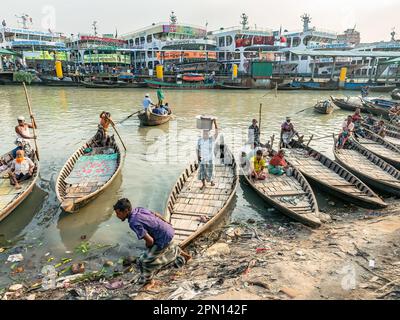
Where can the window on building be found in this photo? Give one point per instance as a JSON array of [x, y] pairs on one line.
[[137, 41], [229, 40], [149, 38], [296, 42], [221, 41]]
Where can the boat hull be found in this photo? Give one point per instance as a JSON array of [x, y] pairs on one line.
[[148, 119]]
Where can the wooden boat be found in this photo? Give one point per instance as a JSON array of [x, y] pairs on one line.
[[78, 184], [289, 87], [150, 119], [291, 196], [187, 204], [371, 169], [381, 88], [380, 147], [104, 85], [231, 87], [377, 102], [324, 107], [390, 125], [369, 109], [331, 177], [11, 198], [344, 104], [180, 86], [395, 94]]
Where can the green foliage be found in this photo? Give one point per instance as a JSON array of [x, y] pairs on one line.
[[22, 76]]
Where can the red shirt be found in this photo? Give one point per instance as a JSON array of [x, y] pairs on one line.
[[278, 161], [356, 117]]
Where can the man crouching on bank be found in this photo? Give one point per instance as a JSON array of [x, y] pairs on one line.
[[158, 235]]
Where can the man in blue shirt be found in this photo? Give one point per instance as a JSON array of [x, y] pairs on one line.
[[157, 234], [147, 102]]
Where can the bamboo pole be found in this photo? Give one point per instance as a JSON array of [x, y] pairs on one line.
[[116, 131], [33, 120], [260, 114]]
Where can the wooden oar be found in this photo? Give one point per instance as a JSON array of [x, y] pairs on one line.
[[259, 120], [116, 131], [304, 110], [33, 119], [130, 116]]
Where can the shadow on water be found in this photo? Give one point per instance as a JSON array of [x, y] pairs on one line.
[[12, 226], [87, 221]]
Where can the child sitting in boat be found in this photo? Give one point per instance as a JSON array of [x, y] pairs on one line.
[[257, 166], [278, 165]]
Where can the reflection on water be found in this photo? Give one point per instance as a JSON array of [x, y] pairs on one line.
[[67, 117]]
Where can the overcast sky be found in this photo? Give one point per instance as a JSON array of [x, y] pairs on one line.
[[374, 19]]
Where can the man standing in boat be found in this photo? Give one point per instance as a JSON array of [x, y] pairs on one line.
[[22, 129], [160, 96], [287, 133], [158, 235], [147, 102], [205, 156], [254, 133]]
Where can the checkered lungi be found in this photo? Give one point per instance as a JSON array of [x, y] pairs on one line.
[[155, 259], [206, 171]]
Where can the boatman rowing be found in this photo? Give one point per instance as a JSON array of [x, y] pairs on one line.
[[22, 130]]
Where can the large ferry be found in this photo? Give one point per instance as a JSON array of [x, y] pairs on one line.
[[39, 49], [177, 46]]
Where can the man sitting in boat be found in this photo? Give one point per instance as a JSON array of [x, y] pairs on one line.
[[147, 102], [254, 133], [380, 129], [288, 132], [158, 235], [22, 145], [205, 154], [364, 92], [166, 108], [102, 139], [257, 166], [370, 120], [21, 169], [347, 131], [160, 111], [278, 165]]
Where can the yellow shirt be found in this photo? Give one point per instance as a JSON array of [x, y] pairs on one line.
[[258, 165]]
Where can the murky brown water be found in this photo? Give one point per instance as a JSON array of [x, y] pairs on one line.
[[155, 157]]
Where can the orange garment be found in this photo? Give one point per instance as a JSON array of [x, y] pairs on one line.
[[278, 161]]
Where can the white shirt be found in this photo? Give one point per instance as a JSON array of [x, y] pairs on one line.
[[347, 127], [24, 131], [206, 149], [22, 167], [146, 103]]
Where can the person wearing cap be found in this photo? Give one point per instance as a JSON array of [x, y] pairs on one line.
[[287, 133], [147, 102], [254, 133], [22, 145], [102, 139], [22, 129], [205, 154], [21, 169]]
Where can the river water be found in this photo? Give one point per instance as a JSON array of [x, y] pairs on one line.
[[67, 117]]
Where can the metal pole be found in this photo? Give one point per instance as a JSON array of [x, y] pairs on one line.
[[333, 68]]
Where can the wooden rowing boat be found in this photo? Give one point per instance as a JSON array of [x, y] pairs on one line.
[[291, 196], [391, 136], [288, 87], [371, 169], [180, 86], [231, 87], [390, 125], [11, 198], [380, 147], [345, 104], [331, 177], [384, 88], [104, 85], [150, 119], [75, 189], [193, 212], [324, 107]]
